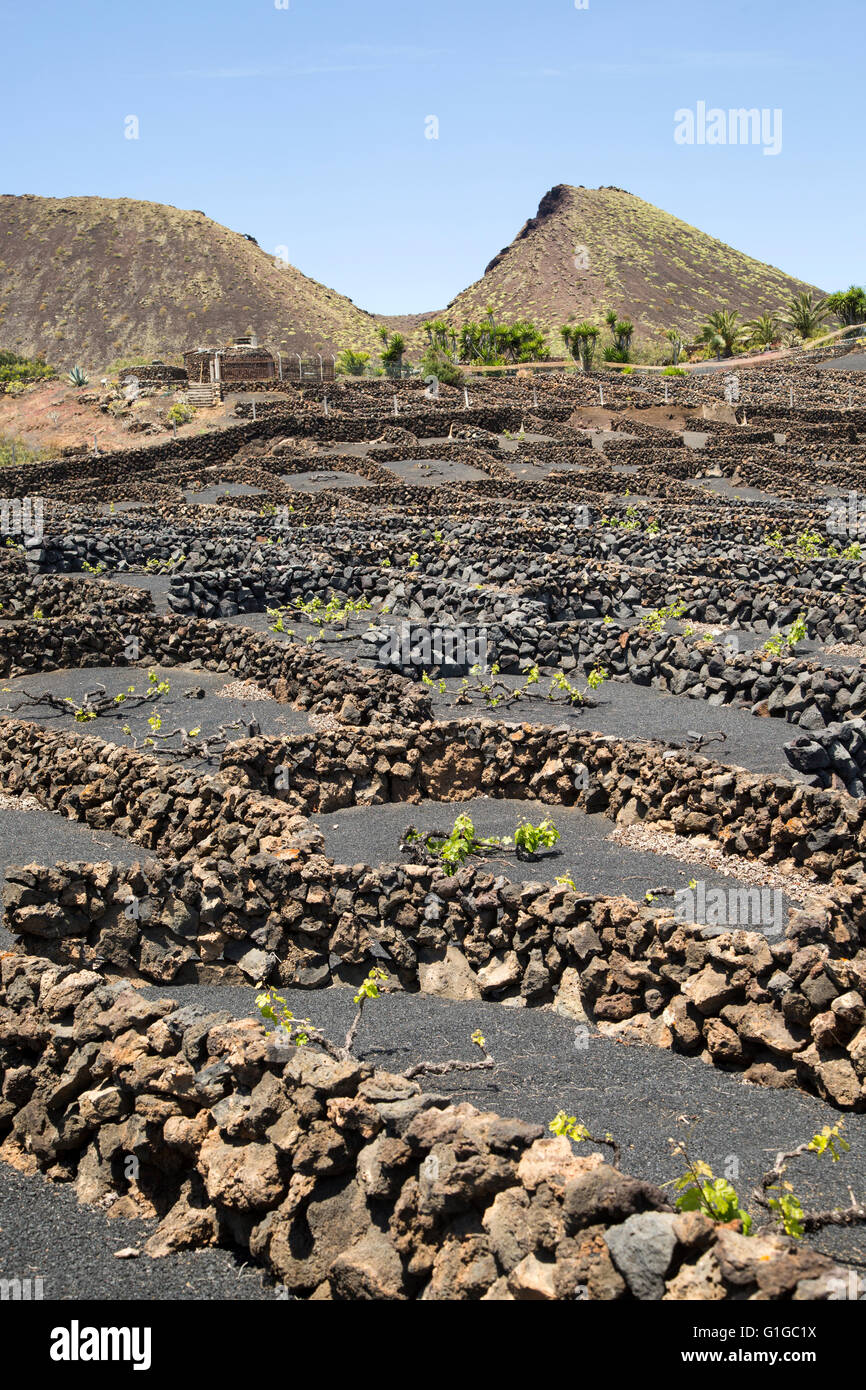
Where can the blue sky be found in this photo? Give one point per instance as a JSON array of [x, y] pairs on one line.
[[305, 126]]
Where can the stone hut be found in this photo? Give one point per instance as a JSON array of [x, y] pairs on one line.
[[242, 361]]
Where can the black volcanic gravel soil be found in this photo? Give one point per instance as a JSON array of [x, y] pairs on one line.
[[628, 711], [46, 1233], [321, 480], [371, 835], [175, 709]]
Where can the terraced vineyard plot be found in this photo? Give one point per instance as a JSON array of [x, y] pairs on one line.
[[322, 481], [639, 661], [584, 853], [192, 709]]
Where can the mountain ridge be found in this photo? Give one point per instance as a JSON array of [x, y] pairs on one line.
[[98, 280], [590, 250]]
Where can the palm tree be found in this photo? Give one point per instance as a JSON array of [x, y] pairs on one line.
[[765, 330], [849, 305], [581, 341], [392, 354], [675, 338], [622, 332], [722, 332], [805, 315]]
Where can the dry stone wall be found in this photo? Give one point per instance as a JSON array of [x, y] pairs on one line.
[[245, 892], [344, 1181]]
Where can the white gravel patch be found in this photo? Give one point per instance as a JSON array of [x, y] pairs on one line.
[[24, 802], [847, 649], [326, 723], [244, 690], [697, 850]]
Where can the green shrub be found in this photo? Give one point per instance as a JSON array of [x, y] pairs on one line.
[[21, 371], [14, 452], [438, 362], [529, 838], [351, 363]]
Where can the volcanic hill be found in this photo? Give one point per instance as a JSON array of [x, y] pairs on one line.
[[96, 279]]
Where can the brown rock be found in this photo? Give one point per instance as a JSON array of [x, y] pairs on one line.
[[698, 1282], [710, 990], [380, 1167], [857, 1052], [553, 1162], [462, 1269], [323, 1150], [69, 993], [450, 977], [694, 1230], [354, 1115], [850, 1010], [723, 1043], [826, 1029], [764, 1025], [370, 1270], [773, 1073], [186, 1226], [309, 1067], [740, 1257], [517, 1226], [305, 1235], [244, 1177], [602, 1194], [500, 972], [532, 1280], [568, 999], [839, 1081], [686, 1031], [584, 1268]]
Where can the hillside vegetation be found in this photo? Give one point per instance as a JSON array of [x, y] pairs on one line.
[[99, 279], [647, 265], [102, 280]]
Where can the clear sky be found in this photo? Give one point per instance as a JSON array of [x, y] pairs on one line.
[[305, 126]]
